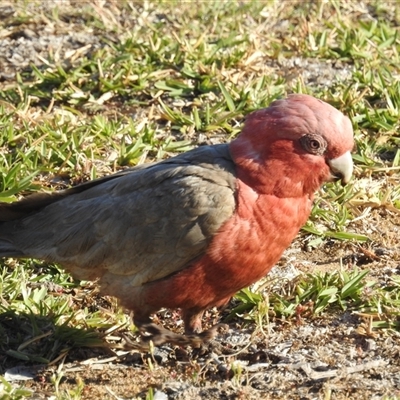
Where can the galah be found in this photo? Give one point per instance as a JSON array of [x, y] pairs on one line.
[[190, 231]]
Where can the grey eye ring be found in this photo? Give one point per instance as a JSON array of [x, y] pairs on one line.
[[313, 144]]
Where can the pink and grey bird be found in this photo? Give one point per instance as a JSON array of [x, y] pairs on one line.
[[190, 231]]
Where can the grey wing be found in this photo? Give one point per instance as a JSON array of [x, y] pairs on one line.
[[142, 225]]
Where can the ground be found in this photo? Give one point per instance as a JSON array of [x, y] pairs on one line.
[[98, 66]]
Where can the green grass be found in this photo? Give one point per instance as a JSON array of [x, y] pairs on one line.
[[314, 294], [165, 77]]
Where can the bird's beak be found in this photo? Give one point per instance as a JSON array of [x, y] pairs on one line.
[[342, 167]]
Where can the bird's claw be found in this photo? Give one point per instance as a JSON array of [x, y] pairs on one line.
[[159, 335]]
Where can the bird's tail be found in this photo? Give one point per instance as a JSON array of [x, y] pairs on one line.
[[7, 249], [11, 213]]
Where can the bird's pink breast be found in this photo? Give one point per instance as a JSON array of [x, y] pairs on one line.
[[245, 249]]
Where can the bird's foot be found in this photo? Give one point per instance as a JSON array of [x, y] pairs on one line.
[[159, 335]]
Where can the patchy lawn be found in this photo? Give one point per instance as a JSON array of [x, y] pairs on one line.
[[90, 87]]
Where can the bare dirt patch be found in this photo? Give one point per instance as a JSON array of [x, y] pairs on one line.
[[329, 356]]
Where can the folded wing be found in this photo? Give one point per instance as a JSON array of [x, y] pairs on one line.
[[144, 223]]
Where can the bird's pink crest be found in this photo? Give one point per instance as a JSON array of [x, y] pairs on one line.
[[291, 118]]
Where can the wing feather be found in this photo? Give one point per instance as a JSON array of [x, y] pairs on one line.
[[145, 223]]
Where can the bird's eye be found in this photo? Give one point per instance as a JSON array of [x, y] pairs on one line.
[[313, 143]]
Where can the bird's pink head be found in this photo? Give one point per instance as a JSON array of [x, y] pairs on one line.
[[297, 135]]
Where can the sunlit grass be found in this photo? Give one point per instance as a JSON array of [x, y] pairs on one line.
[[167, 82]]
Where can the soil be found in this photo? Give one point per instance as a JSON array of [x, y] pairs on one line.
[[322, 357]]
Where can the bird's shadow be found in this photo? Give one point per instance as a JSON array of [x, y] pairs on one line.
[[29, 339], [34, 342]]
